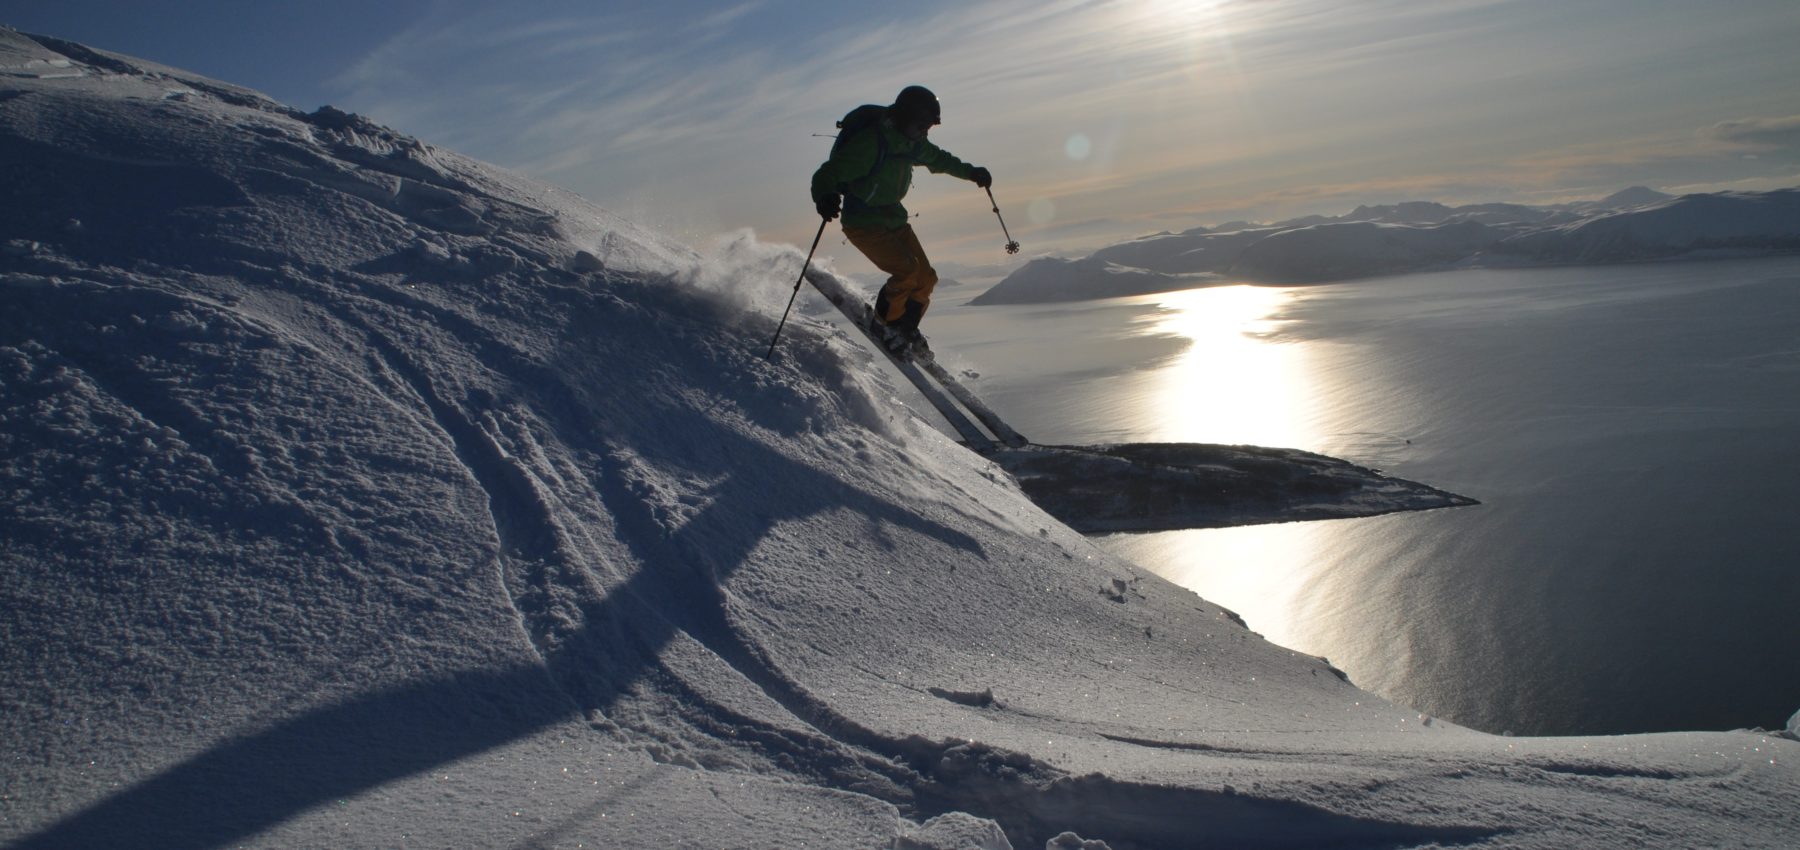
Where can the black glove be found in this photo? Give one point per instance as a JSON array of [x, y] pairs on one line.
[[982, 178], [828, 207]]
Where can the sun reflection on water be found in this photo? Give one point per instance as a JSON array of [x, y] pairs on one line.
[[1230, 385], [1262, 572]]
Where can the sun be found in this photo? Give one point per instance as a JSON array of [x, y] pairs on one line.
[[1200, 34], [1178, 16]]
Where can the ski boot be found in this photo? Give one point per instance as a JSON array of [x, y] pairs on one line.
[[892, 339], [915, 344]]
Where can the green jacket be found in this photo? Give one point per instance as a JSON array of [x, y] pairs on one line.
[[872, 169]]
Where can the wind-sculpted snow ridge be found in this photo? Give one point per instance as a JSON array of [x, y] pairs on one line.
[[1634, 225], [357, 494]]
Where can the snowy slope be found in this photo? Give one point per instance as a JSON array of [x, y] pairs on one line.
[[1359, 249], [1633, 225], [1734, 222], [357, 494]]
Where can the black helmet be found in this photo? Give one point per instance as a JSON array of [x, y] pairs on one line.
[[916, 105]]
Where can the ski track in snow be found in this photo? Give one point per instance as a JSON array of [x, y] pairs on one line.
[[475, 484]]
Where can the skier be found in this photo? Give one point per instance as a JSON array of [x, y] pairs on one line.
[[870, 169]]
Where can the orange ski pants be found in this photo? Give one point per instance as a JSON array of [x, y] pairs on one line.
[[897, 252]]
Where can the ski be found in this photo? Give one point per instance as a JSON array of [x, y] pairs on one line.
[[860, 313], [988, 417]]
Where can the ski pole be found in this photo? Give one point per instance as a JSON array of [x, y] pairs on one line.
[[797, 282], [1011, 246]]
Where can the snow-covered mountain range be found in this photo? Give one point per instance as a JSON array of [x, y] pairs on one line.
[[357, 494], [1634, 225]]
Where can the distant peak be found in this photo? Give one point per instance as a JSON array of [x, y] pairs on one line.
[[1634, 197]]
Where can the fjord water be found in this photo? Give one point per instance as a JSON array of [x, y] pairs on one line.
[[1633, 434]]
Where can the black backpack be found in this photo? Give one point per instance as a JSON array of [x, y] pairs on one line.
[[857, 120]]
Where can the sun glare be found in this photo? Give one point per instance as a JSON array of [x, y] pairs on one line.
[[1229, 385], [1233, 385], [1173, 18], [1199, 38], [1176, 13]]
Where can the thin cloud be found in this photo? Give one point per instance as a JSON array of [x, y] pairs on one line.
[[1762, 133], [1242, 106], [728, 16]]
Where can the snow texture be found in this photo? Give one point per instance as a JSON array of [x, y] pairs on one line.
[[357, 494], [1634, 225]]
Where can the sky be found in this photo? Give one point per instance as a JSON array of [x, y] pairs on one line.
[[1100, 119]]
